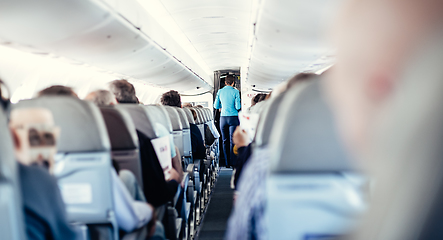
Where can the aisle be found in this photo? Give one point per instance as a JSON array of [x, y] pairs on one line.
[[215, 220]]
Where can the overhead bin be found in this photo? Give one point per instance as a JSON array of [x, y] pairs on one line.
[[289, 40], [117, 36]]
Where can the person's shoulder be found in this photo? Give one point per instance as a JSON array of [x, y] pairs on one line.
[[36, 175]]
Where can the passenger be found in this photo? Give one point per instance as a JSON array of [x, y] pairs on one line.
[[101, 98], [158, 191], [57, 90], [130, 214], [375, 41], [186, 104], [247, 218], [228, 100], [172, 98], [44, 209]]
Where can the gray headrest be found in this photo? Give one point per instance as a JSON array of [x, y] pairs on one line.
[[175, 118], [209, 114], [82, 126], [304, 136], [205, 115], [183, 117], [199, 116], [159, 114], [145, 121], [121, 129], [189, 115], [266, 120]]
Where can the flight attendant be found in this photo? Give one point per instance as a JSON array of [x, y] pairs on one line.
[[228, 100]]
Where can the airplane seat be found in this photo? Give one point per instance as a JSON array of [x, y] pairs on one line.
[[200, 121], [124, 140], [313, 190], [83, 162], [11, 209], [153, 121], [177, 128], [188, 112], [187, 147], [406, 154]]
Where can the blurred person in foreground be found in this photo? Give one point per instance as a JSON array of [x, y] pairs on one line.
[[376, 41]]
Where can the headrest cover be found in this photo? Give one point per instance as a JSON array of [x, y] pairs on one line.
[[266, 120], [189, 115], [121, 129], [159, 115], [175, 118], [82, 126], [200, 119], [146, 120], [304, 137], [183, 118]]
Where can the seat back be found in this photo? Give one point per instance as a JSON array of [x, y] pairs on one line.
[[187, 147], [312, 182], [189, 116], [177, 128], [124, 141], [83, 162], [200, 121], [150, 120], [11, 209], [267, 115]]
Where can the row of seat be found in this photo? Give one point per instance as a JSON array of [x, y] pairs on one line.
[[313, 191], [90, 138]]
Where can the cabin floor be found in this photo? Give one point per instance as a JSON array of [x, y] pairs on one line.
[[215, 220]]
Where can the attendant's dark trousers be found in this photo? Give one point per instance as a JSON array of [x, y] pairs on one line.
[[227, 127]]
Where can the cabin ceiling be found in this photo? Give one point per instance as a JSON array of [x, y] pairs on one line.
[[271, 40], [176, 44]]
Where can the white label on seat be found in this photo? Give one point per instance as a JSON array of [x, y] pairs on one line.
[[163, 150], [76, 193]]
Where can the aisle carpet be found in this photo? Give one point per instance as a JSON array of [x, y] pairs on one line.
[[219, 209]]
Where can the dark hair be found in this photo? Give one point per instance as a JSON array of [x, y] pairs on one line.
[[258, 98], [171, 98], [229, 80], [57, 90], [123, 91], [194, 114], [301, 77]]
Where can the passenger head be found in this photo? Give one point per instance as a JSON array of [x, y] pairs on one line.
[[199, 106], [101, 98], [123, 91], [35, 136], [194, 113], [230, 80], [171, 98], [187, 104], [375, 39], [57, 90]]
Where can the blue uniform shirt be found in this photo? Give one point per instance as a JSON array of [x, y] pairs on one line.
[[228, 99]]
